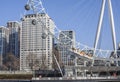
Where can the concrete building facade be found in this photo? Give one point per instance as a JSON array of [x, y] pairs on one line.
[[36, 42]]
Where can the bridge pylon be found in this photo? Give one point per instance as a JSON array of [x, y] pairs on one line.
[[100, 23]]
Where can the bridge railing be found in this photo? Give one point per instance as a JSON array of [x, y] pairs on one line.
[[99, 53]]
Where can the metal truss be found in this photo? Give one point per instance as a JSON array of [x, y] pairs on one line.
[[35, 5], [80, 50]]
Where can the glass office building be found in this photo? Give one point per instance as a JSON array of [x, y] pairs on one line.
[[4, 39], [14, 37], [67, 41]]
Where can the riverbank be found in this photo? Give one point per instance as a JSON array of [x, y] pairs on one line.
[[16, 76], [87, 80]]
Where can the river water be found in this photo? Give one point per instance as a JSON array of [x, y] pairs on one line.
[[118, 80]]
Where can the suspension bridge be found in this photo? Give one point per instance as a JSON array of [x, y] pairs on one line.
[[92, 59]]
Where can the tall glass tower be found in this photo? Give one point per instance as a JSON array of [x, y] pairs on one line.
[[4, 39], [14, 37]]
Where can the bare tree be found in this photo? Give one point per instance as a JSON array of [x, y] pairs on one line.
[[11, 62], [34, 61]]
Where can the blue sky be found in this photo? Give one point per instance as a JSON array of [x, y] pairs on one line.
[[78, 15]]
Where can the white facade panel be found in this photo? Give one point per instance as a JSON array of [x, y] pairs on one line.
[[35, 48]]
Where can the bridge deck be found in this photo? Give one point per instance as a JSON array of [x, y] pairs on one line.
[[98, 68]]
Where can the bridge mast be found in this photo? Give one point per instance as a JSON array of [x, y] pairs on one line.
[[112, 26], [100, 26]]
